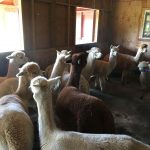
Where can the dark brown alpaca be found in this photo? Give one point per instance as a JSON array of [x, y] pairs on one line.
[[81, 112]]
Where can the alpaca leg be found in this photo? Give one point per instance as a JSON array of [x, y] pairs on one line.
[[123, 78], [94, 82], [101, 83], [144, 91]]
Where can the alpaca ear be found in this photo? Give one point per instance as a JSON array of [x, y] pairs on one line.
[[69, 52], [58, 52], [88, 51], [118, 46], [67, 57], [111, 46], [144, 50], [42, 72], [20, 74], [10, 57], [79, 61]]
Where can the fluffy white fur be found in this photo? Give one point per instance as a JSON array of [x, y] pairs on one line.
[[93, 54], [16, 59], [52, 138], [49, 68], [103, 69]]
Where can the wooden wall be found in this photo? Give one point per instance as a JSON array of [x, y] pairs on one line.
[[126, 24], [50, 24]]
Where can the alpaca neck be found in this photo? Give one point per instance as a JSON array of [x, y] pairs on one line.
[[112, 63], [88, 69], [12, 69], [23, 90], [57, 69], [138, 56], [74, 77], [45, 116]]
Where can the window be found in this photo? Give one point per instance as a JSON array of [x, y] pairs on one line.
[[146, 27], [86, 25], [11, 28]]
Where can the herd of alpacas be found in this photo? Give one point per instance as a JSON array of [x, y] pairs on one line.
[[68, 117]]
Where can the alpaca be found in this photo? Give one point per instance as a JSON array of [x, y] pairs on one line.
[[128, 63], [144, 68], [60, 64], [103, 69], [10, 85], [16, 59], [93, 54], [49, 69], [58, 70], [51, 138], [16, 126], [78, 111]]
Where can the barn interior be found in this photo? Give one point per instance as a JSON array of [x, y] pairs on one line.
[[50, 25]]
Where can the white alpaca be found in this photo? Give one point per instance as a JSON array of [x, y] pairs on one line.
[[52, 138], [144, 68], [49, 69], [16, 131], [93, 54], [16, 59], [60, 63], [103, 69], [58, 70]]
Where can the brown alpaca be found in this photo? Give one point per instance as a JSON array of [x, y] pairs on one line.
[[81, 112], [127, 63]]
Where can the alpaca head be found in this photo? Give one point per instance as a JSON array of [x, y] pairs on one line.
[[40, 85], [29, 70], [63, 56], [95, 52], [143, 48], [114, 50], [79, 60], [144, 66], [18, 57]]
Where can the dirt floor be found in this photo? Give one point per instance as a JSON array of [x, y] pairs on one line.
[[131, 114]]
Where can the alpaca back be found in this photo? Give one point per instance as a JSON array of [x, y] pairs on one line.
[[8, 86], [125, 62], [16, 126], [73, 106]]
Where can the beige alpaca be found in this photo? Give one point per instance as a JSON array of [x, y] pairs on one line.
[[16, 131], [52, 138], [16, 59], [103, 69], [49, 69]]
